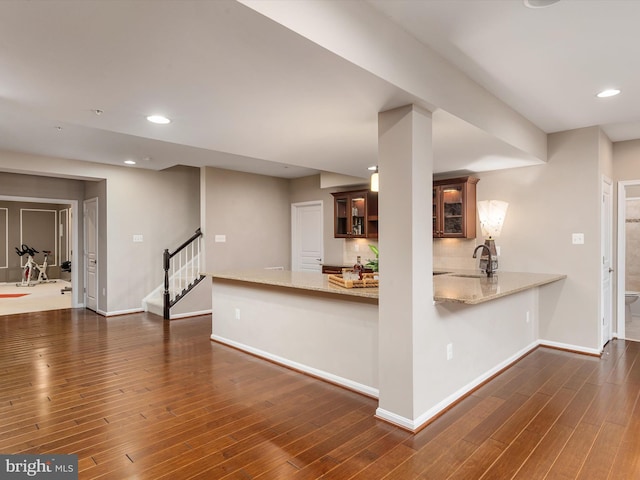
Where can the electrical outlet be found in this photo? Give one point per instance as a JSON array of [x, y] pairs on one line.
[[138, 238], [237, 314], [577, 238], [449, 351]]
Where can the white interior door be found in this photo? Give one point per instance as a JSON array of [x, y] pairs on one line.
[[607, 268], [91, 253], [307, 246]]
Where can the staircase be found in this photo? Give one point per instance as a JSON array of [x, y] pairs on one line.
[[181, 275]]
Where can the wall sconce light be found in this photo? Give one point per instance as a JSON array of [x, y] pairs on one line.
[[375, 179], [491, 213]]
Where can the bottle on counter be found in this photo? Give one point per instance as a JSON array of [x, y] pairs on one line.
[[358, 267]]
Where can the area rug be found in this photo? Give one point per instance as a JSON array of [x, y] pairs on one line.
[[12, 295]]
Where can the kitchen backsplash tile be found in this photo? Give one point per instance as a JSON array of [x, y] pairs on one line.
[[447, 252], [354, 247], [454, 253]]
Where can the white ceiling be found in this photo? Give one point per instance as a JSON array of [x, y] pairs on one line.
[[245, 93], [546, 63]]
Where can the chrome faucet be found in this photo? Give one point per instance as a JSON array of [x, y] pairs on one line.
[[489, 270]]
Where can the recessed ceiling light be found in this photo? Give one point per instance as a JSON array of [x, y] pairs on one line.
[[539, 3], [130, 162], [98, 112], [162, 120], [611, 92]]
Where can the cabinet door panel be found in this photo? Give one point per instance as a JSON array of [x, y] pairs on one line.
[[358, 209], [452, 207], [341, 220]]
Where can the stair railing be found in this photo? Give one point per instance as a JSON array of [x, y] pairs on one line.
[[181, 271]]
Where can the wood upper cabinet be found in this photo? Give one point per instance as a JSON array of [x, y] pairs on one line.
[[454, 208], [355, 214]]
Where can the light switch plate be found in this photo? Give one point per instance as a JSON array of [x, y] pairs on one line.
[[138, 238], [220, 238], [577, 238]]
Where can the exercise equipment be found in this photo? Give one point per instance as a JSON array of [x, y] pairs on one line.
[[29, 276], [65, 267]]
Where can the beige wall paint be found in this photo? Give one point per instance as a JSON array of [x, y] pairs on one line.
[[161, 206], [337, 251], [547, 204], [130, 201], [254, 213], [626, 160], [34, 187], [42, 238], [307, 189]]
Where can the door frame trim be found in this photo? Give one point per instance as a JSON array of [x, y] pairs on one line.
[[621, 254], [75, 302], [607, 230], [86, 263], [294, 227]]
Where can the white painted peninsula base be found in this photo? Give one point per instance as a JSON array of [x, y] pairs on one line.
[[331, 336]]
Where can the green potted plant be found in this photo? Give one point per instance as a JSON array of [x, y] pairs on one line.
[[373, 263]]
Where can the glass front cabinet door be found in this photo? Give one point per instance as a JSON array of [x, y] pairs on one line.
[[354, 214], [454, 208]]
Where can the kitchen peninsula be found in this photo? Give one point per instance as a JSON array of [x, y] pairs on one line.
[[303, 321]]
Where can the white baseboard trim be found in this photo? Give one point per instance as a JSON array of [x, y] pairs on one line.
[[398, 420], [572, 348], [416, 423], [329, 377], [190, 314], [119, 312]]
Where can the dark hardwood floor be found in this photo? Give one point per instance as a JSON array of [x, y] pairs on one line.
[[136, 397]]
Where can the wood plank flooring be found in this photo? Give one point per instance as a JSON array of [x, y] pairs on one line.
[[136, 397]]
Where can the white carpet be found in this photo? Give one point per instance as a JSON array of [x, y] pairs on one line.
[[44, 296]]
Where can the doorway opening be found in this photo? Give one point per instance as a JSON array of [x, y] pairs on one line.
[[628, 278], [66, 242]]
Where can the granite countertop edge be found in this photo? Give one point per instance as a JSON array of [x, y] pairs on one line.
[[471, 288]]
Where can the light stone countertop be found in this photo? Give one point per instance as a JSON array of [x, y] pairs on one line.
[[460, 286], [473, 286], [318, 282]]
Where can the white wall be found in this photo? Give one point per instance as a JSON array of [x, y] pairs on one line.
[[332, 336], [547, 204], [254, 213], [161, 205]]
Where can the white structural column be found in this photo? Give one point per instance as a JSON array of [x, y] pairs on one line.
[[405, 161]]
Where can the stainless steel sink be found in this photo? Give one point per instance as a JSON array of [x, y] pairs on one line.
[[469, 275]]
